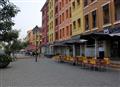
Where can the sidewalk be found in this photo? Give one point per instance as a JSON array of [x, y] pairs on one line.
[[115, 65]]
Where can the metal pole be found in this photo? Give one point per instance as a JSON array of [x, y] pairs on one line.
[[74, 50], [95, 48]]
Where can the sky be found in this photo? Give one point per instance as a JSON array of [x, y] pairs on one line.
[[29, 16]]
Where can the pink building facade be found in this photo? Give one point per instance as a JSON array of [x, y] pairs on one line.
[[44, 11]]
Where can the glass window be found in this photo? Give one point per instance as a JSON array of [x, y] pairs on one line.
[[86, 22], [66, 14], [56, 22], [78, 2], [73, 5], [62, 16], [117, 9], [70, 12], [79, 22], [74, 25], [85, 3], [94, 19], [106, 14], [67, 29]]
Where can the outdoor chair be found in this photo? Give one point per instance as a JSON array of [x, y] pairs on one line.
[[93, 63], [102, 63], [84, 62]]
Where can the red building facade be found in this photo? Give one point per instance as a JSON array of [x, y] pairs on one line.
[[56, 20], [44, 11], [63, 19]]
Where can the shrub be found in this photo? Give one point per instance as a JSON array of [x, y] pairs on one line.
[[5, 58]]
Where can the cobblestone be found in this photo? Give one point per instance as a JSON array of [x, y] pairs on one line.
[[47, 73]]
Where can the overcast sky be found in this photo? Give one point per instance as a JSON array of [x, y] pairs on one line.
[[30, 15]]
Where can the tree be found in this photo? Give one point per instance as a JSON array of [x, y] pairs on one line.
[[7, 35]]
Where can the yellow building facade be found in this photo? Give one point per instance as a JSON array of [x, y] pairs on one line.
[[51, 21], [77, 17]]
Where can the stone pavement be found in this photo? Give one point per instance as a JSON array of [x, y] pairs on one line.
[[47, 73]]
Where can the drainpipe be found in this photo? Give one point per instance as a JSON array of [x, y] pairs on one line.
[[96, 45], [85, 46]]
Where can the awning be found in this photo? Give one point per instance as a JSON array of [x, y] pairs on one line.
[[93, 35], [30, 48], [59, 43], [115, 34]]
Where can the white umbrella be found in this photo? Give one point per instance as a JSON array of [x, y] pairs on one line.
[[115, 34]]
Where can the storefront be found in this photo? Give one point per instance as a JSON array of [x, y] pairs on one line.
[[103, 44]]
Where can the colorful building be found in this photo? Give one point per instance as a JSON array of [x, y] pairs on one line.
[[65, 22], [101, 23], [51, 25], [34, 37], [77, 26], [30, 37], [37, 37], [84, 27], [44, 10], [56, 20], [51, 21], [77, 17], [63, 25]]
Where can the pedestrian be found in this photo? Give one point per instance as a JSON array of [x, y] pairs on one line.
[[101, 52]]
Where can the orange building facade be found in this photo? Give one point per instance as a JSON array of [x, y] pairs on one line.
[[65, 22]]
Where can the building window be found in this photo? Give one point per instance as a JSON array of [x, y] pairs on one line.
[[117, 9], [67, 14], [56, 22], [94, 19], [70, 12], [92, 0], [67, 29], [78, 2], [79, 22], [73, 5], [56, 35], [60, 33], [62, 16], [85, 3], [74, 25], [63, 32], [60, 19], [62, 3], [86, 22], [106, 14], [56, 9]]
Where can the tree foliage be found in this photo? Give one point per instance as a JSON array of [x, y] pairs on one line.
[[7, 12]]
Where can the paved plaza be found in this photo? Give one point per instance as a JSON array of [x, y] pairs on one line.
[[48, 73]]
